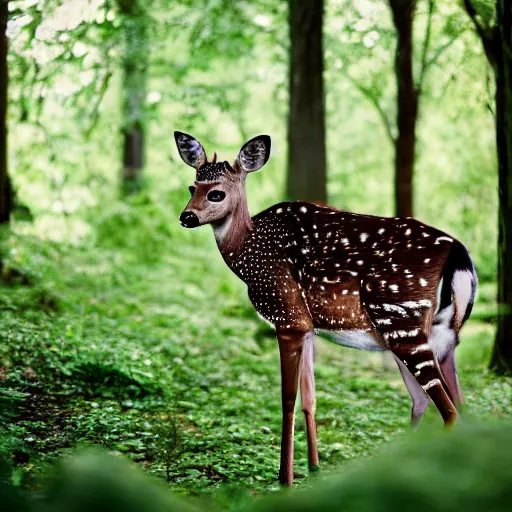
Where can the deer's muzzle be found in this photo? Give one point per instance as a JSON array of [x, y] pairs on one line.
[[189, 220]]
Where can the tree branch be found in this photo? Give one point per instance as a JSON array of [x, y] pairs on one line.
[[94, 115], [367, 93], [426, 44], [441, 49]]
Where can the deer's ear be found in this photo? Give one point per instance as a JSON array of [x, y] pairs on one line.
[[190, 149], [254, 154]]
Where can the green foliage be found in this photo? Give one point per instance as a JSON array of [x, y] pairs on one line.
[[138, 224], [467, 469], [96, 481], [118, 328], [218, 69], [455, 163], [12, 498], [486, 11], [166, 362], [50, 40]]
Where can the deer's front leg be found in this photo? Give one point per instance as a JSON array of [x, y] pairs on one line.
[[290, 350], [307, 394]]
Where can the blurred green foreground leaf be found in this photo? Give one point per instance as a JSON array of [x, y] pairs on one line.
[[466, 469]]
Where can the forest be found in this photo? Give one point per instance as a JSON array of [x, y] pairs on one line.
[[125, 341]]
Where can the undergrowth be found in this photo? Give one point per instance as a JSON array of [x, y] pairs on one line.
[[163, 359]]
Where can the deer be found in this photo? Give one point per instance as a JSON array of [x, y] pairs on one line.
[[373, 283]]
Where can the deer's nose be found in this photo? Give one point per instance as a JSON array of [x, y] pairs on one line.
[[189, 220]]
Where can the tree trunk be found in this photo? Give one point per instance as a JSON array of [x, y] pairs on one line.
[[5, 183], [135, 64], [306, 178], [502, 353], [407, 108]]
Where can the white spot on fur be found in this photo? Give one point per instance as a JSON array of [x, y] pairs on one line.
[[430, 362], [395, 308], [431, 384], [420, 348], [445, 238], [423, 282], [403, 334], [414, 304], [364, 237]]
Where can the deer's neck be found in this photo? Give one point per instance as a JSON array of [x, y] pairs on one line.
[[232, 231]]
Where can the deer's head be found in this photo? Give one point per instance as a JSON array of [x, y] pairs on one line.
[[219, 187]]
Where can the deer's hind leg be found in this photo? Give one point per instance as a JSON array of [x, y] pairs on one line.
[[443, 339], [418, 396], [449, 372], [307, 394], [416, 354]]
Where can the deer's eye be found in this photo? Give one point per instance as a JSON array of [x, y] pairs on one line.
[[191, 190], [215, 196]]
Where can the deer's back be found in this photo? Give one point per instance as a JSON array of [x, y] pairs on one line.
[[336, 267]]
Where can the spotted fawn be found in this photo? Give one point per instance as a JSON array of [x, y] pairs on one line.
[[367, 282]]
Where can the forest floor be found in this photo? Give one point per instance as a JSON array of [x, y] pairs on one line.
[[164, 360]]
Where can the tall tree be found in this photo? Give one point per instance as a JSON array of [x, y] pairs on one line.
[[409, 91], [497, 43], [5, 183], [407, 103], [306, 178], [412, 64], [135, 64]]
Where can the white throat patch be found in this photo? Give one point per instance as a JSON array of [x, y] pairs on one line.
[[220, 230]]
